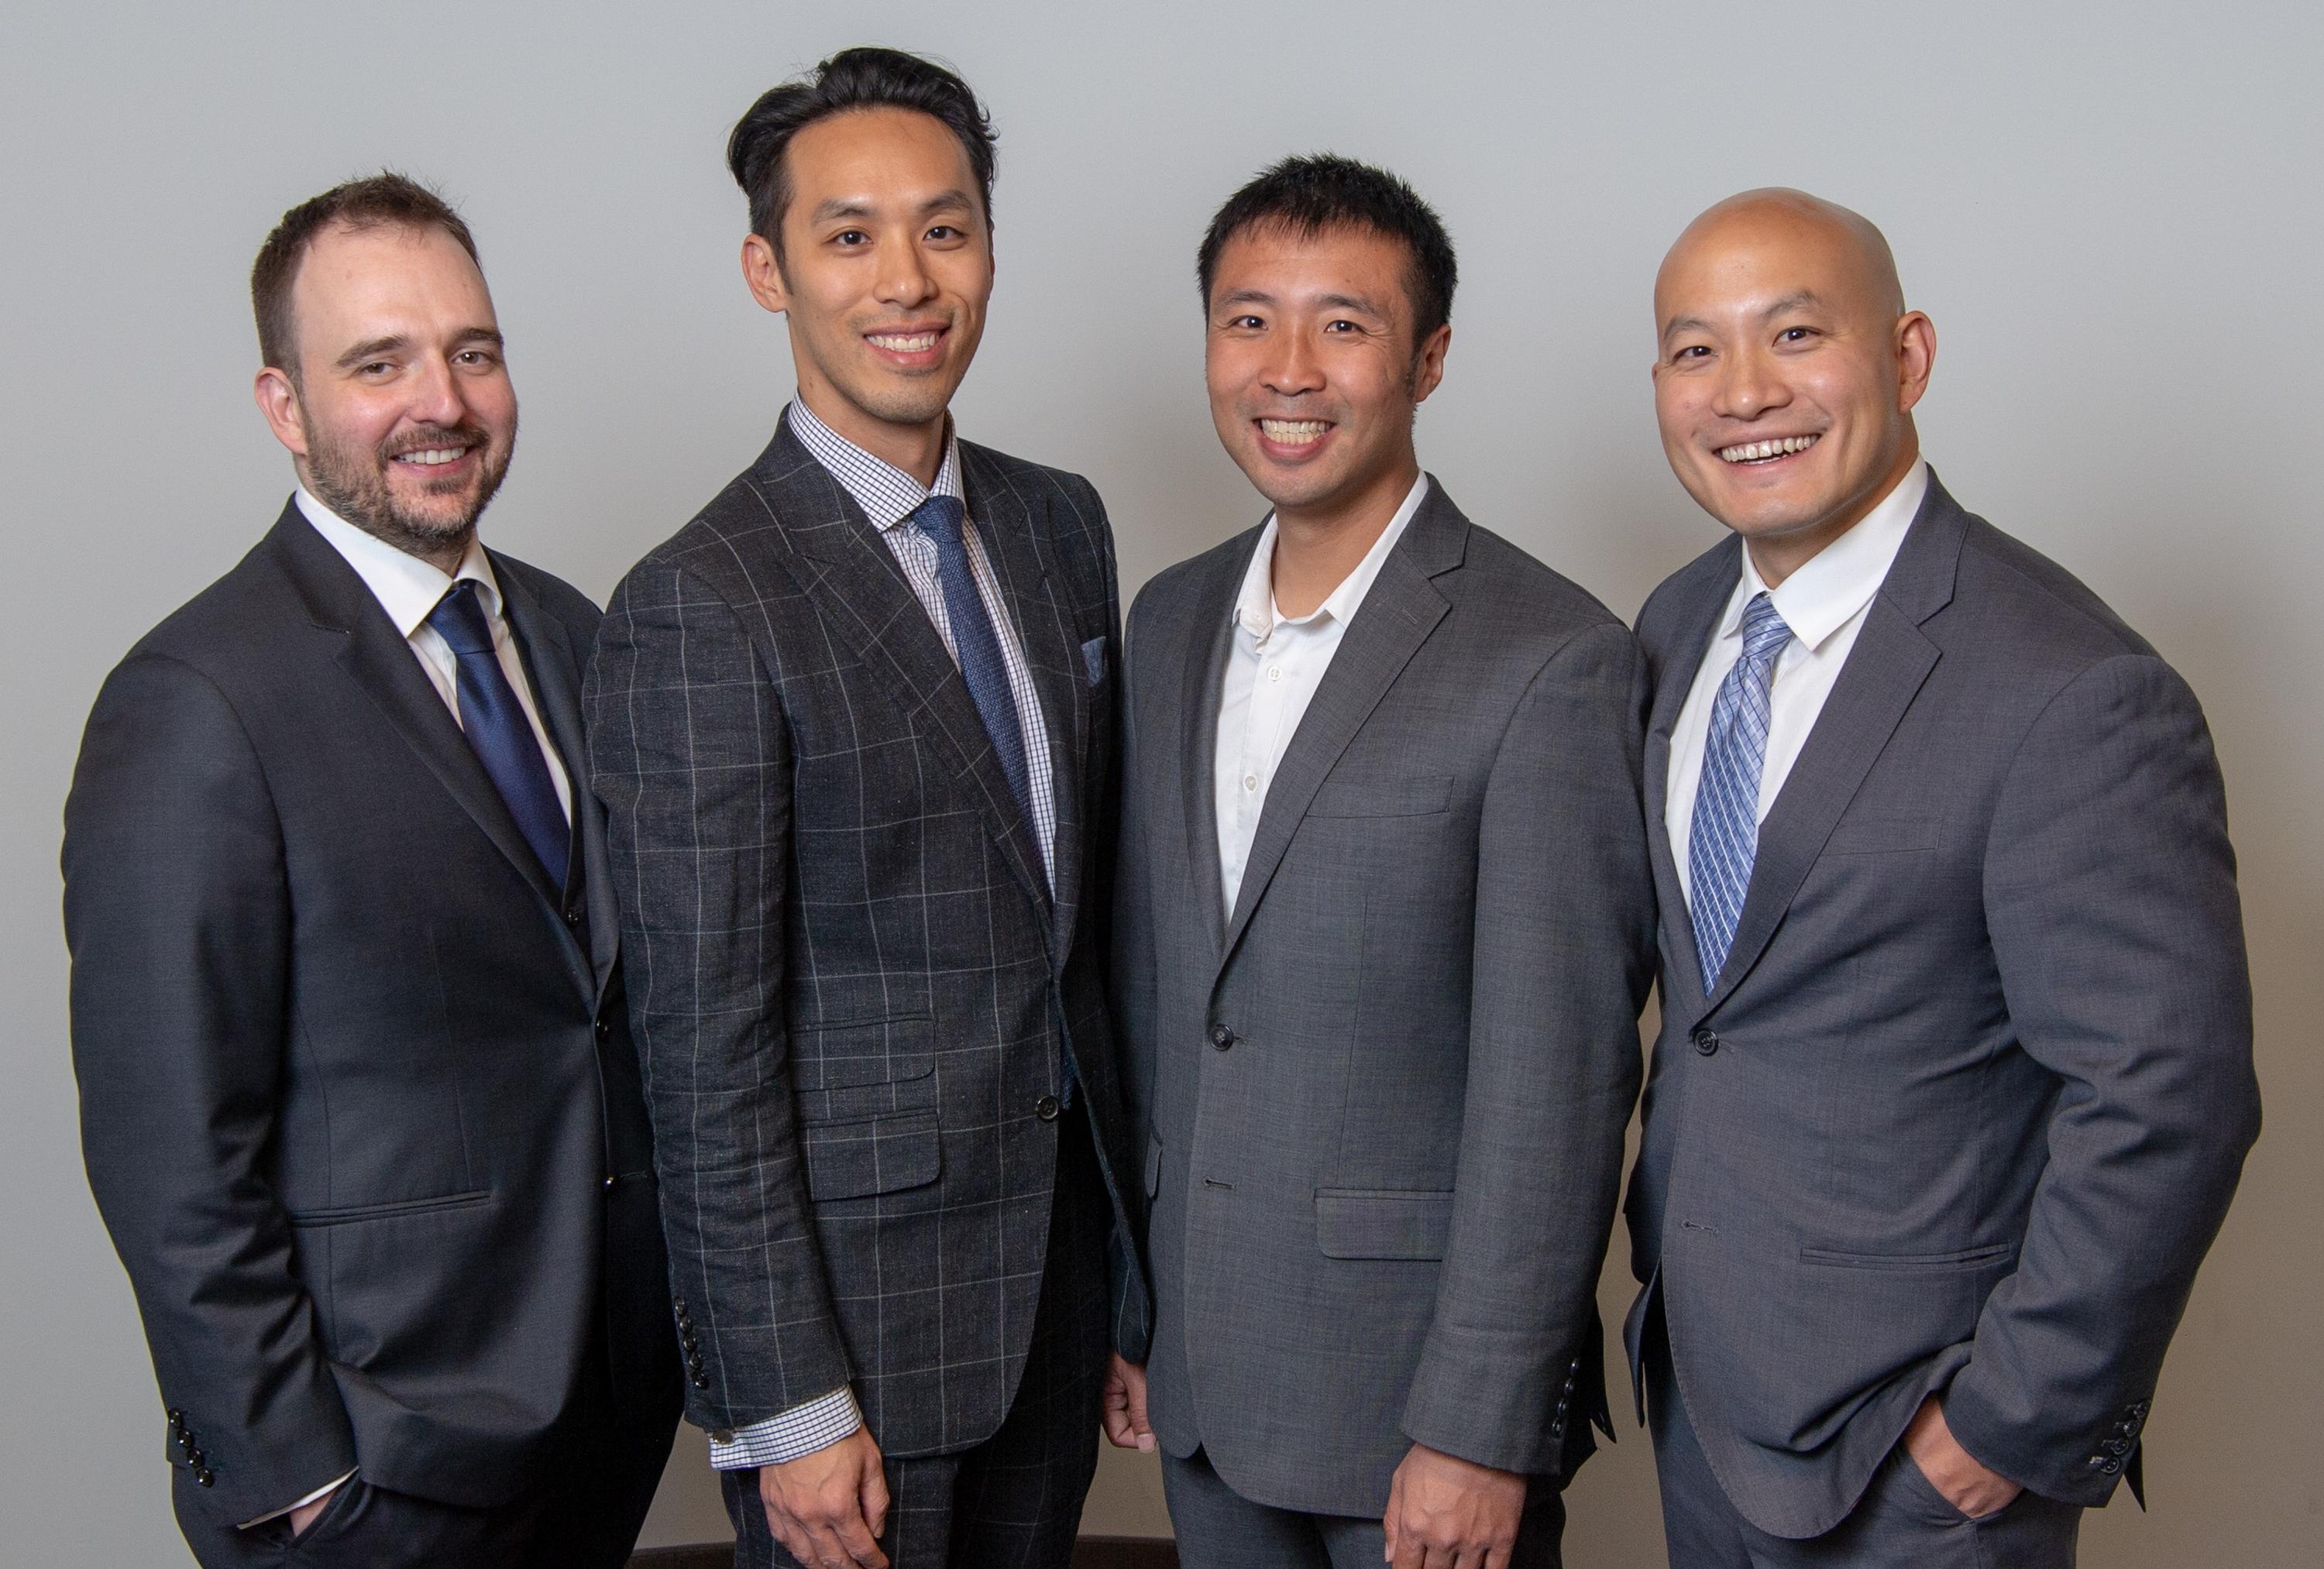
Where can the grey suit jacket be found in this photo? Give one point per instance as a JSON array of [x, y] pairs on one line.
[[1383, 1104], [1966, 1104], [851, 985], [357, 1098]]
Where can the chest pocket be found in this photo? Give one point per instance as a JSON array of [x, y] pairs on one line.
[[1419, 797]]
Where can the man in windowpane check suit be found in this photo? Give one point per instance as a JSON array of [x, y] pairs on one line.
[[1954, 1081], [855, 724], [357, 1095]]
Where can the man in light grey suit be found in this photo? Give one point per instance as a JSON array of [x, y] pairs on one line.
[[1384, 933], [1954, 1081]]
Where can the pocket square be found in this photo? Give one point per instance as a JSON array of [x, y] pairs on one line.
[[1093, 657]]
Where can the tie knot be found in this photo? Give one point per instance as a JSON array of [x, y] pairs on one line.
[[458, 619], [940, 519], [1763, 631]]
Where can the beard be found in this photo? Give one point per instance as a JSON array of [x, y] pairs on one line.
[[352, 481]]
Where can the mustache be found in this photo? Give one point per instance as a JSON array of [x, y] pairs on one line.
[[424, 437]]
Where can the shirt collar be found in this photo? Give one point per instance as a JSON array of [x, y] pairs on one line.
[[1254, 607], [406, 587], [1840, 580], [887, 494]]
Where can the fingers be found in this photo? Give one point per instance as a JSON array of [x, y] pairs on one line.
[[1139, 1424], [873, 1494], [853, 1540]]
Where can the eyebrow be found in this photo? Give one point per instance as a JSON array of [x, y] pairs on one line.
[[374, 348], [858, 207], [1326, 302]]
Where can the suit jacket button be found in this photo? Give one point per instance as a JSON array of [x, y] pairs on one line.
[[1046, 1108], [177, 1417], [1221, 1037], [204, 1479], [573, 916], [604, 1029], [1706, 1041]]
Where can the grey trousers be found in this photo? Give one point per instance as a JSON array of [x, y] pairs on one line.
[[1219, 1528], [1902, 1522]]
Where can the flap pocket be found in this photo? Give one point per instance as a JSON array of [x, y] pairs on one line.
[[878, 1155], [1153, 1166], [863, 1051], [1380, 1223], [348, 1213], [1911, 1263], [1381, 798], [1877, 835]]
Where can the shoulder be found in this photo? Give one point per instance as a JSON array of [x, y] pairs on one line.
[[1495, 573], [560, 599], [235, 623], [1175, 591], [2016, 603], [725, 546], [1715, 568]]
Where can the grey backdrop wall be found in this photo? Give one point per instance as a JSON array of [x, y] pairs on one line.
[[2109, 208]]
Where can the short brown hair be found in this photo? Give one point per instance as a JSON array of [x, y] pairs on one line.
[[375, 200]]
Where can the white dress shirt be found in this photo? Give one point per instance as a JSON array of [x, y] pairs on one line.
[[408, 588], [1274, 664], [1824, 604], [889, 496]]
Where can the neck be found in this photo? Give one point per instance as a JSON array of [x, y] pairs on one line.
[[1776, 556], [1316, 547], [917, 449]]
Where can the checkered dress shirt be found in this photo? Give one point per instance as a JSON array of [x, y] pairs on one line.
[[889, 496]]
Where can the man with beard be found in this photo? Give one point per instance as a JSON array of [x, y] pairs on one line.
[[358, 1101], [854, 725]]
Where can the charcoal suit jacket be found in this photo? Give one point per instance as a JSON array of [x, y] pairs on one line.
[[358, 1098], [1969, 1098], [854, 989]]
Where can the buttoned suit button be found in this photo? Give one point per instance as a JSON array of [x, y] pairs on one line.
[[604, 1029], [1706, 1041], [1046, 1108], [573, 916], [1221, 1037]]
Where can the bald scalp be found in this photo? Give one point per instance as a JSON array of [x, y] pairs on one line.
[[1778, 212]]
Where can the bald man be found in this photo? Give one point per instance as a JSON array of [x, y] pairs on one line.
[[1954, 1081]]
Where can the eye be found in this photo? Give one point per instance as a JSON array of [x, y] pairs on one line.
[[372, 369], [1798, 335], [1695, 351], [1245, 323], [850, 238], [945, 232], [1343, 326]]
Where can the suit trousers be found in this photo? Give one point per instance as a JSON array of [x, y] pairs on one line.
[[1013, 1501], [1902, 1521], [584, 1514], [1219, 1528]]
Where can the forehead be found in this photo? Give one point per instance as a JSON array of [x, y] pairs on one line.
[[1747, 265], [1285, 262], [353, 279], [874, 157]]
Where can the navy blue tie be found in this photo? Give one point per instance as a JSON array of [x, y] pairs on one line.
[[978, 646], [498, 731], [1723, 841]]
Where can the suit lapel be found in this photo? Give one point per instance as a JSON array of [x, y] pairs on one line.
[[866, 600], [1015, 539], [1204, 655], [1885, 671], [1398, 613], [553, 666], [381, 663], [1697, 618]]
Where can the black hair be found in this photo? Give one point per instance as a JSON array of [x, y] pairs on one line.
[[1308, 195], [854, 78], [369, 203]]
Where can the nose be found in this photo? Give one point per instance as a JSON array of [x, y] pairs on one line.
[[903, 276], [1748, 386], [1293, 367], [435, 394]]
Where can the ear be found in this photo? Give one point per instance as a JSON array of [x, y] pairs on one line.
[[764, 274], [1428, 365], [1916, 356], [278, 400]]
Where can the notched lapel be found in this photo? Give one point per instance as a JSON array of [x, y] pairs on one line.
[[1697, 617], [1204, 653]]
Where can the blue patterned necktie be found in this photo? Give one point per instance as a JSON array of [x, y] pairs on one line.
[[1724, 837], [979, 646], [498, 731]]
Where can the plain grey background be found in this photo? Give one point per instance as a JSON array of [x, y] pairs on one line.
[[2109, 210]]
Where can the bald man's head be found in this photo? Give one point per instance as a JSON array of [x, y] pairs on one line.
[[1788, 370]]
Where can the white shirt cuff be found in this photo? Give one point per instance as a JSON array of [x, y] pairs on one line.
[[323, 1491], [802, 1430]]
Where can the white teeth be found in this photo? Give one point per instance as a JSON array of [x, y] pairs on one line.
[[433, 455], [1752, 452], [903, 344], [1293, 432]]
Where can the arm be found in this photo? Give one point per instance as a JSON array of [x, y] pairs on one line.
[[1564, 954], [689, 752], [178, 917], [2110, 898]]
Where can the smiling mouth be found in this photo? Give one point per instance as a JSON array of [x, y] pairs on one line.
[[903, 343], [1763, 452], [430, 457], [1294, 432]]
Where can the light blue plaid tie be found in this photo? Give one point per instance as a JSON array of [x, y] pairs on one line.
[[1724, 837]]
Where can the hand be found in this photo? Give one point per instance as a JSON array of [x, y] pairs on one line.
[[304, 1515], [1965, 1482], [1446, 1513], [828, 1509], [1126, 1426]]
